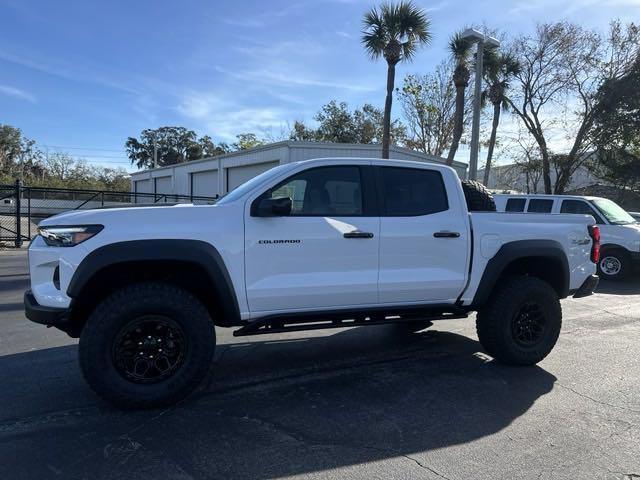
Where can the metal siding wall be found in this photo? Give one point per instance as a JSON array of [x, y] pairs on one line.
[[205, 183], [236, 176], [163, 184]]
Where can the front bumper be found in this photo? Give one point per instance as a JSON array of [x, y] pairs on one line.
[[49, 316], [587, 287]]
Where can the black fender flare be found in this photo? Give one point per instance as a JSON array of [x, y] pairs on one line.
[[509, 252], [197, 252]]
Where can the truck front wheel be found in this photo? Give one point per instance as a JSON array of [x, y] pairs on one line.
[[521, 322], [147, 345]]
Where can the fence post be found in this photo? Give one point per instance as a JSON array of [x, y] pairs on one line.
[[28, 190], [18, 241]]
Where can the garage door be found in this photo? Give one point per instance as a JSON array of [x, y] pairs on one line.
[[144, 186], [204, 184], [236, 176], [163, 185]]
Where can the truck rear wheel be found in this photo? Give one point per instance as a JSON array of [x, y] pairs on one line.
[[147, 345], [521, 322]]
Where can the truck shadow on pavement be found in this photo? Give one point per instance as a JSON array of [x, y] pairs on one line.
[[271, 408], [628, 286]]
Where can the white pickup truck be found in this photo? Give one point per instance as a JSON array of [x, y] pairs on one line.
[[317, 244]]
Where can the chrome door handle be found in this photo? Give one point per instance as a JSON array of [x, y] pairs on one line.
[[358, 234], [446, 235]]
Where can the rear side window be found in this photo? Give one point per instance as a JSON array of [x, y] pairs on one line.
[[409, 192], [515, 205], [578, 206], [539, 205]]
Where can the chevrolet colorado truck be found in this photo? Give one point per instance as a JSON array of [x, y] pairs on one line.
[[316, 244]]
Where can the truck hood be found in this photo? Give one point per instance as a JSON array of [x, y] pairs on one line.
[[108, 215]]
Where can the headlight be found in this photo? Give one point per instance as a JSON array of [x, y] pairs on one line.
[[68, 236]]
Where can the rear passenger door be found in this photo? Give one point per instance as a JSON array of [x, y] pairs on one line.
[[423, 237]]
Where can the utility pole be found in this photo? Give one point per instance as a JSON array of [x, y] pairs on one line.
[[479, 38], [475, 128], [155, 152]]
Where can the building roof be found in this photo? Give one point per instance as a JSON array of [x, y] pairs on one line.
[[302, 144]]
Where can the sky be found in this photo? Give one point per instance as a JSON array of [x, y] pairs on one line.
[[82, 76]]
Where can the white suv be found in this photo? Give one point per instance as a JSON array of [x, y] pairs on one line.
[[619, 231]]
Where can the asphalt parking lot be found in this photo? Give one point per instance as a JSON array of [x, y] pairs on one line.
[[362, 403]]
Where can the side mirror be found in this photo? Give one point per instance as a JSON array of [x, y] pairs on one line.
[[272, 207]]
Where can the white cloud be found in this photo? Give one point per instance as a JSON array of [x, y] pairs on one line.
[[225, 118], [17, 93], [281, 79]]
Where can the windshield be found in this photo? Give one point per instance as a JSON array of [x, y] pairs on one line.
[[250, 184], [613, 212]]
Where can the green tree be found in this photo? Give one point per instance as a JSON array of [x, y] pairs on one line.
[[335, 123], [172, 145], [500, 70], [617, 129], [394, 32], [369, 126], [460, 50], [246, 141], [210, 149], [19, 156], [338, 124], [302, 133]]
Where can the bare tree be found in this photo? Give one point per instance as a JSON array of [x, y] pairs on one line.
[[429, 103], [563, 66]]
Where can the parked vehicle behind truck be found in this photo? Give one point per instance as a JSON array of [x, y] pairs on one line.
[[619, 231], [317, 244]]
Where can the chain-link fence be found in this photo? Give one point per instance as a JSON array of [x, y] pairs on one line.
[[22, 207]]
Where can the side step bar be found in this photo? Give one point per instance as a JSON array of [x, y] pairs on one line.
[[293, 323]]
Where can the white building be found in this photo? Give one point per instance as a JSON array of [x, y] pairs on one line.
[[512, 177], [218, 175]]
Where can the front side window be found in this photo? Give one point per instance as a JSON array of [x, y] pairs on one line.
[[409, 192], [323, 191], [613, 212], [578, 206], [539, 205]]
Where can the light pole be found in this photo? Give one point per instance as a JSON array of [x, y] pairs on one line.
[[481, 39]]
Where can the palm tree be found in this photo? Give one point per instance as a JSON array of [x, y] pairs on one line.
[[460, 49], [394, 32], [499, 71]]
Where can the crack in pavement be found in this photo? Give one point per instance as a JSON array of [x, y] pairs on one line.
[[300, 438], [600, 402], [426, 467]]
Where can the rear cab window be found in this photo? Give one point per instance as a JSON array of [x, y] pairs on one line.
[[410, 192]]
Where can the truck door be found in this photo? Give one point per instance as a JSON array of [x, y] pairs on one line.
[[324, 253], [424, 239]]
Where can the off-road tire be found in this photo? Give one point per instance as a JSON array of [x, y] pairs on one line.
[[478, 198], [115, 313], [624, 264], [495, 321]]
